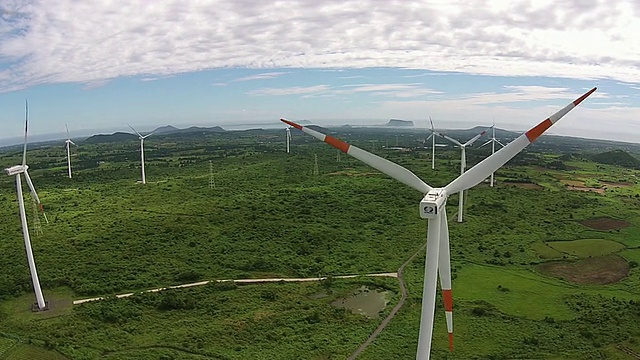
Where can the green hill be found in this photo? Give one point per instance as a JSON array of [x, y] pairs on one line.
[[617, 157]]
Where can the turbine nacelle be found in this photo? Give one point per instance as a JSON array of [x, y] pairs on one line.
[[432, 203], [15, 170]]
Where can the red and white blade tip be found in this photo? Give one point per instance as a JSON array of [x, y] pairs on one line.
[[290, 123]]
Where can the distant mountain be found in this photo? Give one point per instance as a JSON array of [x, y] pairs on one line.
[[109, 138], [165, 129], [169, 129], [396, 122], [617, 157]]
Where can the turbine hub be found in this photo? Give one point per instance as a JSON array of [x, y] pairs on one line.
[[15, 170], [432, 203]]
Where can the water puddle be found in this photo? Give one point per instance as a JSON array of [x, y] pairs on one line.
[[365, 301]]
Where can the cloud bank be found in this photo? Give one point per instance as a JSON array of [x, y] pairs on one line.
[[68, 41]]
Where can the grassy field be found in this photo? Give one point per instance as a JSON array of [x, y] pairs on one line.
[[269, 216], [587, 247]]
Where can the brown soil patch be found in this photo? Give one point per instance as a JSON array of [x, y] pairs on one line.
[[600, 270], [524, 185], [605, 224], [621, 184], [573, 182], [586, 189]]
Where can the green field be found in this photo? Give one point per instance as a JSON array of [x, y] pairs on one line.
[[269, 216], [586, 247]]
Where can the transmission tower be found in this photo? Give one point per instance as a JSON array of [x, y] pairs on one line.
[[315, 165], [37, 227], [212, 183]]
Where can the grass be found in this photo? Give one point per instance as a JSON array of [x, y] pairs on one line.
[[5, 345], [545, 251], [268, 216], [586, 247], [32, 352], [516, 292]]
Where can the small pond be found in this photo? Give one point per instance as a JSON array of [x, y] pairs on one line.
[[365, 301]]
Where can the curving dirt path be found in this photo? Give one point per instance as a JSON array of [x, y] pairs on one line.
[[239, 281], [393, 312]]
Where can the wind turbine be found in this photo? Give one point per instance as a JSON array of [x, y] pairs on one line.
[[144, 180], [433, 144], [17, 170], [463, 164], [288, 131], [493, 142], [68, 141], [432, 207]]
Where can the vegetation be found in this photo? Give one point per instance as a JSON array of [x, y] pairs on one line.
[[269, 216], [617, 157]]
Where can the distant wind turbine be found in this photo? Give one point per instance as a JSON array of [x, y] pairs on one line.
[[144, 180], [23, 169], [433, 208], [463, 164], [68, 141], [433, 144], [493, 142]]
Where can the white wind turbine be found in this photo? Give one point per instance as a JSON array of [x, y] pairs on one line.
[[432, 207], [493, 142], [68, 142], [17, 170], [433, 144], [463, 164], [144, 180], [288, 132]]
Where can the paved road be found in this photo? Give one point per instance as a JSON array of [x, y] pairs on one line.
[[393, 312], [238, 281]]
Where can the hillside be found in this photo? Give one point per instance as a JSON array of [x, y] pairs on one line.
[[617, 157], [110, 138]]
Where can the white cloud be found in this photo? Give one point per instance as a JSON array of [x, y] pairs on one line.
[[388, 90], [296, 90], [263, 76], [93, 41]]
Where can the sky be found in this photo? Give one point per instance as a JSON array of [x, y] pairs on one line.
[[98, 65]]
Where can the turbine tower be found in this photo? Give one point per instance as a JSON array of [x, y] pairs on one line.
[[16, 171], [463, 164], [68, 142], [493, 142], [433, 208], [433, 145], [288, 132], [144, 180]]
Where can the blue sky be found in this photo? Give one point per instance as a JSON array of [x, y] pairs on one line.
[[98, 66]]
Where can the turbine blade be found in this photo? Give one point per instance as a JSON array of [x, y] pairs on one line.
[[501, 144], [487, 143], [448, 138], [473, 139], [431, 121], [35, 194], [136, 131], [26, 123], [444, 269], [492, 163], [66, 127], [387, 167]]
